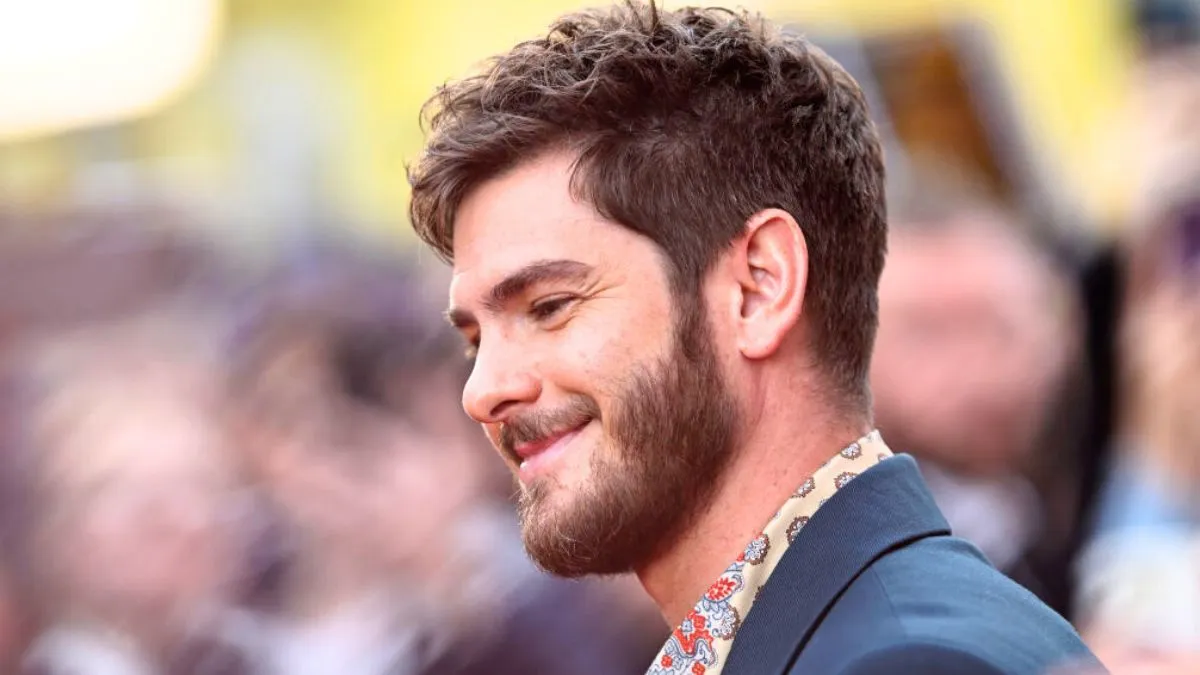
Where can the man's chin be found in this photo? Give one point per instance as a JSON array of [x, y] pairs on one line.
[[556, 533]]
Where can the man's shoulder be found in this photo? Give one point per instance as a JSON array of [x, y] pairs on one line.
[[938, 607], [875, 580], [946, 579]]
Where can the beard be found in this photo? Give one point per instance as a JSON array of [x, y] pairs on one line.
[[669, 437]]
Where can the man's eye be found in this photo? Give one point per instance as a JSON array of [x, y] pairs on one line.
[[471, 350], [546, 309]]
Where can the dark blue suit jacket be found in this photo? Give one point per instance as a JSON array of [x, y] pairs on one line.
[[876, 584]]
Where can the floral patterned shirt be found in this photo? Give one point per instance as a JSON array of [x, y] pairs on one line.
[[701, 643]]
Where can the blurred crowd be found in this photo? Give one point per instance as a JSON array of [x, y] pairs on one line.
[[214, 465], [208, 470]]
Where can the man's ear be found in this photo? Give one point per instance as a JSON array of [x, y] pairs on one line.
[[771, 267]]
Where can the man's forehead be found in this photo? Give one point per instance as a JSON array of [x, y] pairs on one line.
[[481, 262]]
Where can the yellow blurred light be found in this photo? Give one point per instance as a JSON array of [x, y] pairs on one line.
[[71, 63]]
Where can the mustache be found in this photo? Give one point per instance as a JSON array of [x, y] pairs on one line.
[[537, 425]]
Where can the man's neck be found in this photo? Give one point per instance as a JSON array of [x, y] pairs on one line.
[[766, 470]]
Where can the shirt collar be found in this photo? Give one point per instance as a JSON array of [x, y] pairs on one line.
[[700, 645]]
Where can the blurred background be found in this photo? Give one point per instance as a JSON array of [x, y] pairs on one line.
[[230, 439]]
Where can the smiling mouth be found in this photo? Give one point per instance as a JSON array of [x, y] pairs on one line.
[[532, 455]]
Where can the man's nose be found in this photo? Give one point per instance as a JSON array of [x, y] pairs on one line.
[[500, 382]]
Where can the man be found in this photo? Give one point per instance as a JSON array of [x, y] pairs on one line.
[[667, 229]]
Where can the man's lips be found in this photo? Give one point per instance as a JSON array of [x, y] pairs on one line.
[[530, 449]]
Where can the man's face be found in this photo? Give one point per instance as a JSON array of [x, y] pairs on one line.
[[614, 429]]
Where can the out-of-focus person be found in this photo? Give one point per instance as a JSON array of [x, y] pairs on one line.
[[62, 272], [1140, 577], [974, 330], [130, 543], [396, 557], [360, 506], [978, 347]]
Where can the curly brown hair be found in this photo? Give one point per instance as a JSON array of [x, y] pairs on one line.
[[684, 124]]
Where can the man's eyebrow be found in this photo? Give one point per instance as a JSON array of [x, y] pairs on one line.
[[519, 282]]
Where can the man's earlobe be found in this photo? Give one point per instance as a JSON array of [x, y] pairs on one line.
[[773, 273]]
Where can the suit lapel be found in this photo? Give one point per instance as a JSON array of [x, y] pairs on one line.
[[885, 508]]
